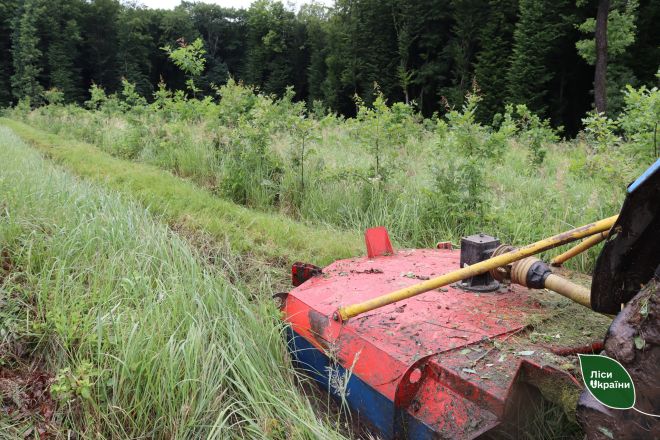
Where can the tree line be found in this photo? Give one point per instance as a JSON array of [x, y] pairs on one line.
[[431, 52]]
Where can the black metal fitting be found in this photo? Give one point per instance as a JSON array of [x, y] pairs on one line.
[[474, 249], [537, 274]]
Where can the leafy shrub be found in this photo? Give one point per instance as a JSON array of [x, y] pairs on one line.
[[531, 130], [71, 384], [464, 134], [615, 147], [131, 99], [23, 107], [236, 100], [381, 129], [250, 173], [600, 130], [456, 198], [53, 96], [190, 59], [304, 132], [97, 97], [640, 117]]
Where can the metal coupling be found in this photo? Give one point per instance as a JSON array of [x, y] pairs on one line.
[[502, 273], [535, 274], [530, 272]]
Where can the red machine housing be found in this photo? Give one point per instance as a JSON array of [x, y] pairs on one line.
[[435, 363]]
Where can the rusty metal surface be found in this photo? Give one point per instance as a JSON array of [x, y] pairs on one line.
[[448, 340]]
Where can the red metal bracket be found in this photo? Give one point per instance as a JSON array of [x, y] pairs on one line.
[[301, 272], [378, 242]]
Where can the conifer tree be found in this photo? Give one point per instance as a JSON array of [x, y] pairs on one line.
[[494, 59], [408, 30], [135, 44], [61, 32], [7, 9], [529, 74], [26, 55], [430, 58], [100, 42], [468, 17], [315, 18]]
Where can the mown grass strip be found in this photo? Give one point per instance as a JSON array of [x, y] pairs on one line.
[[142, 339], [266, 235]]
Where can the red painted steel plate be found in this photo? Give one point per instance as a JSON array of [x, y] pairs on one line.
[[428, 333]]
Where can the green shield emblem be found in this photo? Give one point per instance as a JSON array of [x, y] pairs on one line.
[[607, 381]]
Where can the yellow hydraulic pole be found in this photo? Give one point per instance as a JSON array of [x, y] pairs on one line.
[[569, 289], [579, 248], [346, 312]]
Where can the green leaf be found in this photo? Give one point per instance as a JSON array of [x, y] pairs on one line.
[[640, 343], [85, 393], [607, 381]]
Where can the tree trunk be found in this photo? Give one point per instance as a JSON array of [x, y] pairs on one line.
[[600, 78]]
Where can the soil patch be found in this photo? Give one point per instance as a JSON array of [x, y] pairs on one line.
[[26, 402]]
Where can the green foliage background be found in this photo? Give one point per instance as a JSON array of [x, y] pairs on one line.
[[533, 52]]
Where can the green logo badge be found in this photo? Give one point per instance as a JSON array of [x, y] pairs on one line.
[[607, 381]]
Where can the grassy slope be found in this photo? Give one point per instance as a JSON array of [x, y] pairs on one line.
[[170, 348], [269, 236]]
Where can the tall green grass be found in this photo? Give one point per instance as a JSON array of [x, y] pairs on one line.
[[146, 341], [271, 237], [246, 148], [573, 186]]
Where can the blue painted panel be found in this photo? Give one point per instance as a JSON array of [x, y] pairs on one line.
[[641, 179], [361, 397]]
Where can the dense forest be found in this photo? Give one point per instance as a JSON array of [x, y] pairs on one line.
[[430, 52]]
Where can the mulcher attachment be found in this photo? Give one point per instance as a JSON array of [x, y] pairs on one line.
[[448, 363], [458, 361]]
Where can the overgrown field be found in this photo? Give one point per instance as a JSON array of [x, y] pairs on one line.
[[134, 335], [140, 295], [425, 179]]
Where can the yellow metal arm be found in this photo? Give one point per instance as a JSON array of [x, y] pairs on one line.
[[579, 248], [346, 312], [569, 289]]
